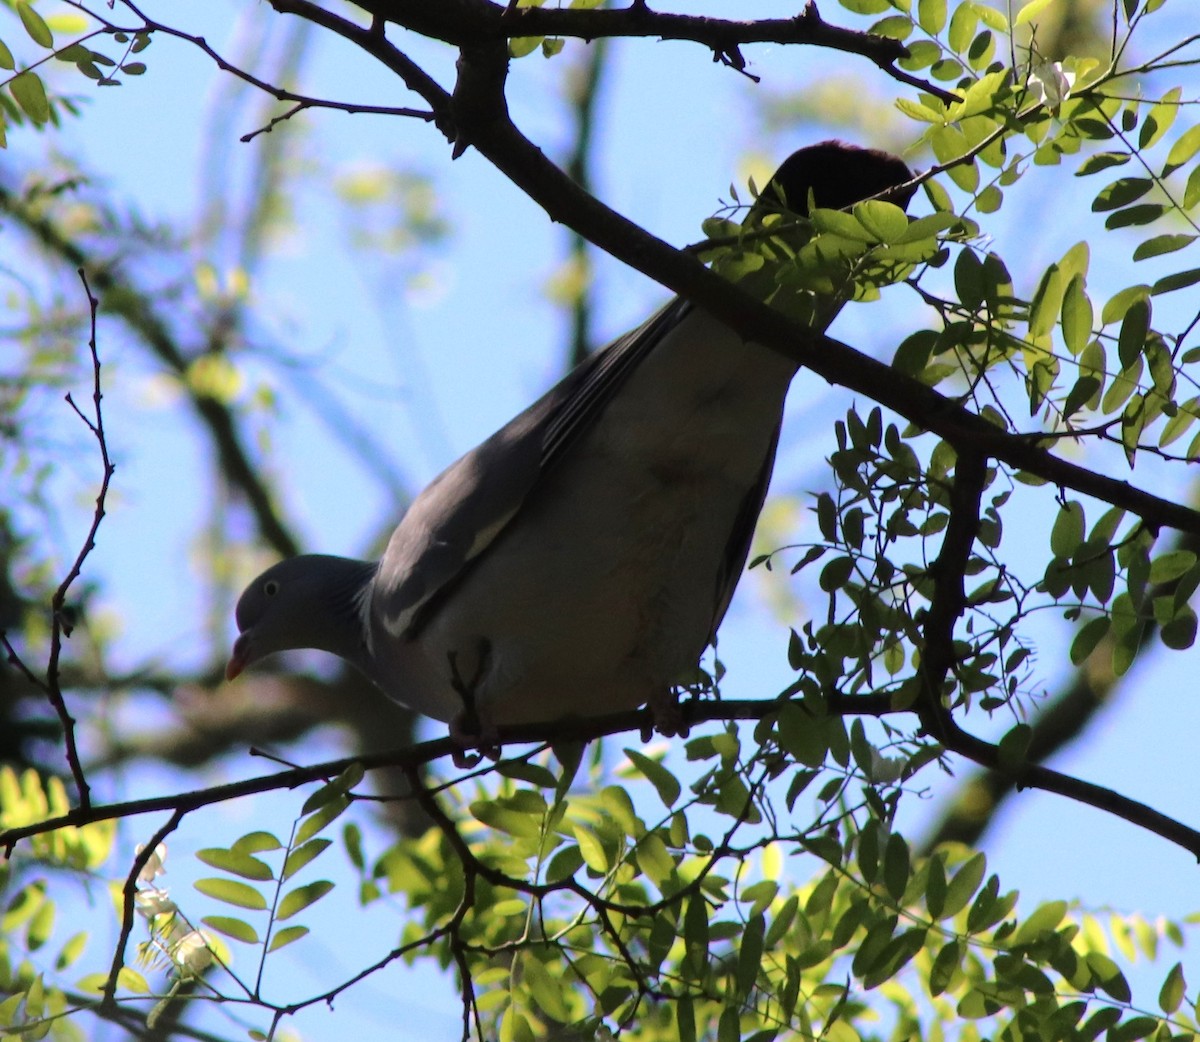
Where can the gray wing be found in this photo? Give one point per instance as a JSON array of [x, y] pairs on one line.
[[454, 521], [742, 534]]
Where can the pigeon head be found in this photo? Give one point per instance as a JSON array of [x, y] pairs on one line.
[[311, 601], [838, 175]]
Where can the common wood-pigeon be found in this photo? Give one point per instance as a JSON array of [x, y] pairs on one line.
[[578, 561]]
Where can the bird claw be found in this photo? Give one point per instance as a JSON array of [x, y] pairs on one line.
[[666, 716], [475, 740], [471, 729]]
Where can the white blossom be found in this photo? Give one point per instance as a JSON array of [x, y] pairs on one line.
[[191, 953], [153, 867], [153, 901], [1049, 84]]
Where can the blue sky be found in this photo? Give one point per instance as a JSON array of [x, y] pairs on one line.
[[432, 375]]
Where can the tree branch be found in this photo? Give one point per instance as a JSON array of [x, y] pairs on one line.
[[473, 117], [693, 712]]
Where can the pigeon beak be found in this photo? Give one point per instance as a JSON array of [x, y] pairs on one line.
[[240, 657]]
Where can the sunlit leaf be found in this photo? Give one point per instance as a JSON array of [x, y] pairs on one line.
[[286, 936], [297, 900], [238, 863], [1174, 987], [302, 855], [31, 96], [235, 928], [34, 25], [231, 892], [665, 783]]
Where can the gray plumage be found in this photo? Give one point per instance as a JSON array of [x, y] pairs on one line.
[[580, 559]]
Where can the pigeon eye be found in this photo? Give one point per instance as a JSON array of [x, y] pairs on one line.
[[270, 587]]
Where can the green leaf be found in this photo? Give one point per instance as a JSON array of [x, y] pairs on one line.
[[655, 859], [37, 29], [1122, 192], [297, 900], [1160, 244], [1030, 11], [302, 855], [1186, 146], [1042, 920], [519, 815], [1014, 747], [594, 854], [1088, 637], [695, 936], [969, 280], [935, 888], [6, 58], [962, 886], [29, 93], [885, 221], [230, 927], [1179, 633], [239, 864], [533, 773], [232, 892], [963, 24], [1102, 161], [1171, 565], [1191, 191], [1135, 216], [313, 824], [41, 924], [1120, 302], [1180, 280], [1107, 973], [286, 936], [256, 843], [1160, 118], [339, 787], [70, 952], [921, 113], [827, 516], [1047, 302], [1069, 526], [945, 965], [1134, 328], [1133, 422], [1170, 996], [564, 864], [131, 980], [750, 954], [805, 738], [665, 783], [896, 865], [1077, 316], [865, 6], [931, 15], [520, 46], [897, 27]]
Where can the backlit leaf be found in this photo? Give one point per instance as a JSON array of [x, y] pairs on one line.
[[297, 900], [232, 892]]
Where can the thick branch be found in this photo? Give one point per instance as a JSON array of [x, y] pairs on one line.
[[472, 22], [497, 138], [693, 712], [485, 125]]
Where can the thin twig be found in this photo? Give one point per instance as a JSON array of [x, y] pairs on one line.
[[129, 892], [60, 622]]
